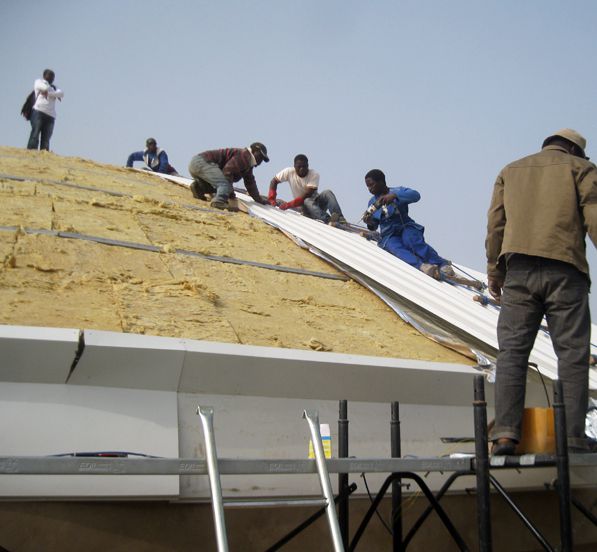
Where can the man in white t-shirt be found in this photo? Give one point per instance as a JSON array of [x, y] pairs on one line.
[[304, 183], [43, 114]]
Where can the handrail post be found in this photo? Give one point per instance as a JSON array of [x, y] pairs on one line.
[[562, 467], [482, 465], [343, 513], [396, 451]]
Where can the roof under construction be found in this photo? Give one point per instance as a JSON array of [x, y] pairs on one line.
[[98, 247]]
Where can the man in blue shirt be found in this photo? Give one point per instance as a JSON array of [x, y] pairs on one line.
[[155, 158], [400, 235]]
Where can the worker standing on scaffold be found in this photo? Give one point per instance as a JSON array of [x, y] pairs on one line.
[[542, 208]]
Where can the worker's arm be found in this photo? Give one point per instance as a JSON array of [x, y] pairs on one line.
[[135, 156], [41, 87], [273, 191], [54, 92], [405, 195], [251, 186], [496, 223], [587, 198]]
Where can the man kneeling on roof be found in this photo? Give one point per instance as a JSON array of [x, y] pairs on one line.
[[215, 171], [155, 158], [400, 235], [303, 185]]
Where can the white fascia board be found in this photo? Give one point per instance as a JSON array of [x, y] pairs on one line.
[[216, 368], [135, 361], [36, 354]]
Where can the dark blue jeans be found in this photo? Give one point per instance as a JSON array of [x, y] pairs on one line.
[[318, 204], [41, 125], [534, 287]]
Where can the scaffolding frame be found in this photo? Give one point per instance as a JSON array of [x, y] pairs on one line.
[[399, 468]]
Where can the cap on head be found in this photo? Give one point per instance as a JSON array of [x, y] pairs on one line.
[[571, 136], [259, 147], [151, 142]]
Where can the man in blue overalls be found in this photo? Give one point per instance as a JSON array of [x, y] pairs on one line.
[[400, 235]]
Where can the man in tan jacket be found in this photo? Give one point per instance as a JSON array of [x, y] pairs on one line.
[[542, 208]]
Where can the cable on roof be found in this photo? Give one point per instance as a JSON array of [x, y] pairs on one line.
[[157, 249], [104, 191]]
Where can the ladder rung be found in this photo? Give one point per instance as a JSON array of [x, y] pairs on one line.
[[239, 503]]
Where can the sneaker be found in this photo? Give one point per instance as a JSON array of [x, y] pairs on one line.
[[430, 270], [333, 220], [336, 218], [223, 206]]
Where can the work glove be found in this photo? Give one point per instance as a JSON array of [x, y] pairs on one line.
[[296, 202], [271, 197]]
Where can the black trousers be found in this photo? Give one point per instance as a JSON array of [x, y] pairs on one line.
[[537, 287]]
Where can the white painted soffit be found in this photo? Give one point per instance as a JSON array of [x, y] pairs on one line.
[[452, 304]]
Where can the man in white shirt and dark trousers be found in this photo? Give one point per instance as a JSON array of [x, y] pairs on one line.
[[43, 114], [304, 183]]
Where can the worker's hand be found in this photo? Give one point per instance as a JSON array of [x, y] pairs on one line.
[[495, 285], [283, 206], [260, 200], [385, 199]]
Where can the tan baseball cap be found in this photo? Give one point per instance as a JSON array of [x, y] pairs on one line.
[[572, 136]]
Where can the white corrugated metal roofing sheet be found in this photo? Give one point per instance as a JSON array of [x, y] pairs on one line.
[[452, 304]]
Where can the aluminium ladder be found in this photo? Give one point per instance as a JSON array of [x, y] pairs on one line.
[[206, 414]]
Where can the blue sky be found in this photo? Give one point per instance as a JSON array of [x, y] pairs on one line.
[[439, 94]]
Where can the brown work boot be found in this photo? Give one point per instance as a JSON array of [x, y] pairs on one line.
[[223, 205], [430, 269], [503, 447], [447, 270]]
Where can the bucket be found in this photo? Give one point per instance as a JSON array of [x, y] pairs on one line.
[[538, 432]]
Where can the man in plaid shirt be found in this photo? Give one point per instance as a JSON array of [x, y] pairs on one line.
[[216, 171]]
